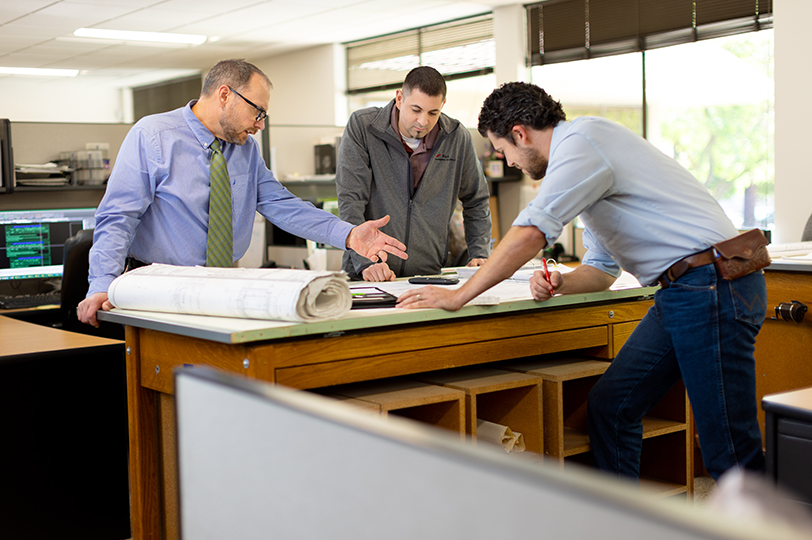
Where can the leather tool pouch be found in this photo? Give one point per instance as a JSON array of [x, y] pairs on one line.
[[741, 255]]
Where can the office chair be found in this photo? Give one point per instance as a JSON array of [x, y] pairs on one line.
[[806, 236], [74, 287]]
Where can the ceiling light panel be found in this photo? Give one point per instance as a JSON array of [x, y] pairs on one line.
[[41, 72], [129, 35]]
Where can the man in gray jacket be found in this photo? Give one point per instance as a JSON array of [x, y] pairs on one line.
[[412, 162]]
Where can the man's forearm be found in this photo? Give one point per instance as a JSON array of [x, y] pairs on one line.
[[519, 245], [583, 279]]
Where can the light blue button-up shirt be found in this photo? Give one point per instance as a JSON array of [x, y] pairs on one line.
[[641, 209], [156, 207]]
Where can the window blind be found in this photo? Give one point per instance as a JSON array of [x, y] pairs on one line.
[[564, 30], [456, 49]]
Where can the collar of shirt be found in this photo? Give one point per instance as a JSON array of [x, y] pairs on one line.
[[201, 132]]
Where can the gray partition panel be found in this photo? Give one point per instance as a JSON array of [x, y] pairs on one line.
[[261, 461]]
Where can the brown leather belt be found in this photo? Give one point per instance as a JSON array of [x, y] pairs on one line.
[[680, 267]]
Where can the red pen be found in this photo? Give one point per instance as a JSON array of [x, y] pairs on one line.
[[547, 276]]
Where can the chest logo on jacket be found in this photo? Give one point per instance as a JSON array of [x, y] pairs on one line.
[[444, 157]]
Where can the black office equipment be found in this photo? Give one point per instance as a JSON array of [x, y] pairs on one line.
[[20, 301], [64, 442], [324, 156], [433, 280], [788, 434], [6, 157], [75, 285], [32, 250], [371, 297], [32, 242]]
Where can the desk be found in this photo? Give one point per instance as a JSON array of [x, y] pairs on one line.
[[783, 348], [364, 345], [64, 449], [789, 442]]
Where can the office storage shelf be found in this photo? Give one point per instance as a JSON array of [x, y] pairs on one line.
[[666, 459], [542, 398], [577, 442], [427, 403], [502, 397]]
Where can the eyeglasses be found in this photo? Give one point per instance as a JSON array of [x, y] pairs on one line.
[[262, 115]]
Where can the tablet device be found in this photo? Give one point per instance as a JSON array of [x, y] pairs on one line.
[[371, 297]]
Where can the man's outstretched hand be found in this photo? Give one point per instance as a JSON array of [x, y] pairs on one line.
[[366, 240]]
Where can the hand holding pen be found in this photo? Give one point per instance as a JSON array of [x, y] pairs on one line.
[[547, 276], [541, 285]]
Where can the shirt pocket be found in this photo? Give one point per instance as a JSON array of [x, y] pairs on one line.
[[243, 194]]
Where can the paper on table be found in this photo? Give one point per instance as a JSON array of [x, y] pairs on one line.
[[792, 249], [625, 281], [250, 293], [509, 440], [522, 274]]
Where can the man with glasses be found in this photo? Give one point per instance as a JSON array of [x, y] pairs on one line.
[[156, 206]]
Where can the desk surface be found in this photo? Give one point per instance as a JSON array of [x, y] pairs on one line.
[[232, 330], [798, 403], [24, 338], [790, 265]]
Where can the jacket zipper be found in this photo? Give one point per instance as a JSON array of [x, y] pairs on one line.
[[412, 195]]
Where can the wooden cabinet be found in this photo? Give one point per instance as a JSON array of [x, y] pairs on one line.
[[428, 403], [782, 347], [544, 399], [510, 399], [666, 459]]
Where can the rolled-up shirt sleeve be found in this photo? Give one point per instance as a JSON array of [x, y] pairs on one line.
[[599, 258]]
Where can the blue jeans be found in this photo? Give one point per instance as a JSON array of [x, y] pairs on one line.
[[702, 329]]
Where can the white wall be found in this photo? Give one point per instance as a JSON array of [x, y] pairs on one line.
[[793, 80], [304, 86], [50, 99]]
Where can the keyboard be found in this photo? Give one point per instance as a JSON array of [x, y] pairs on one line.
[[20, 301]]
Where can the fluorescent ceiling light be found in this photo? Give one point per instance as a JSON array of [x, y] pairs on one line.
[[39, 71], [126, 35]]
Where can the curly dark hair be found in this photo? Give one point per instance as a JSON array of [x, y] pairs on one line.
[[518, 103], [426, 79]]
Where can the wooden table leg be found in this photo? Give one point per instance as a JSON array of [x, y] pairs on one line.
[[143, 425]]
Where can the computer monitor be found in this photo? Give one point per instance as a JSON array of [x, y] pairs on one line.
[[32, 241], [6, 157]]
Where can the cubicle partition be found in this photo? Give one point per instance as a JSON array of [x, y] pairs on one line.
[[261, 461]]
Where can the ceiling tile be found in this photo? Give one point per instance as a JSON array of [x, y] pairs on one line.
[[74, 14], [152, 20], [14, 9]]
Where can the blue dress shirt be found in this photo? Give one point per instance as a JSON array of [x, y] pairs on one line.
[[156, 207], [641, 209]]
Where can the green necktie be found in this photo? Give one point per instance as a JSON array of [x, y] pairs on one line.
[[219, 242]]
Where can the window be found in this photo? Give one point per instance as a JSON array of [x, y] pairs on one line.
[[722, 128], [463, 51], [697, 84]]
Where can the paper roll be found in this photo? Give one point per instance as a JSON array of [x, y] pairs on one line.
[[510, 441]]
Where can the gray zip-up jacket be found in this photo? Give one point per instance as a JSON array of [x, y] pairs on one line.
[[374, 178]]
